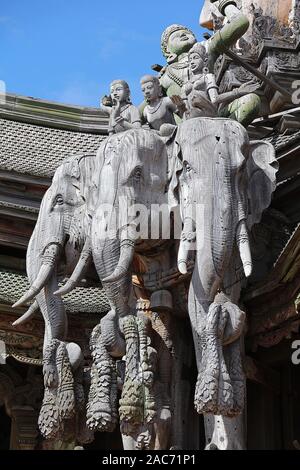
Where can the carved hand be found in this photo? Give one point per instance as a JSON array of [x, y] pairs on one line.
[[249, 87], [179, 103], [116, 109]]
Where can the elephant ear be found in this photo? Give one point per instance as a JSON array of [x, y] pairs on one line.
[[262, 167]]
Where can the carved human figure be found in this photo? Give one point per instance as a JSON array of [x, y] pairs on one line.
[[123, 115], [159, 109], [177, 41], [202, 95]]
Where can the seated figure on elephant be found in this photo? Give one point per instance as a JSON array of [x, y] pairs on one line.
[[159, 109], [123, 114], [202, 95], [176, 43]]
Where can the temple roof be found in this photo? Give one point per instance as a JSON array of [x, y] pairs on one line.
[[38, 150], [36, 135], [82, 299]]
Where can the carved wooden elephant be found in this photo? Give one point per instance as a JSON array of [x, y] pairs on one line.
[[225, 184], [134, 171], [61, 232]]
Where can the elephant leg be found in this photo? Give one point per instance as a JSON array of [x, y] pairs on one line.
[[106, 258], [221, 432], [203, 289]]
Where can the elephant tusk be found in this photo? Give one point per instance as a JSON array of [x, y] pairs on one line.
[[43, 276], [83, 263], [182, 267], [27, 315], [244, 248], [125, 260], [188, 236]]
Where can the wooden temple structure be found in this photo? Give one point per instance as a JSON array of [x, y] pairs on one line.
[[36, 136]]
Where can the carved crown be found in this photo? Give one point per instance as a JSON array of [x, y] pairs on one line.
[[166, 35]]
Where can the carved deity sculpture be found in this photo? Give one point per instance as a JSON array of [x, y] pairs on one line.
[[177, 41], [123, 115], [203, 98], [159, 109]]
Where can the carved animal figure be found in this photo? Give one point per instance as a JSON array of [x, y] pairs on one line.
[[59, 235], [225, 184], [217, 171]]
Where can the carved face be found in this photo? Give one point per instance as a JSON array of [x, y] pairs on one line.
[[196, 63], [151, 91], [181, 41], [119, 93]]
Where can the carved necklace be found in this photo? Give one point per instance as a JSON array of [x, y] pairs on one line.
[[171, 72], [124, 108], [152, 110]]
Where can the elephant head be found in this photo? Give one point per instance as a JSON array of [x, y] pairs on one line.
[[225, 184], [61, 230]]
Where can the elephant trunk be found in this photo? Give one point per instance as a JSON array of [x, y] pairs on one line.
[[125, 260], [111, 337], [49, 259], [113, 260]]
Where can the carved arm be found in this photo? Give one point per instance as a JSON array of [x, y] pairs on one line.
[[232, 31]]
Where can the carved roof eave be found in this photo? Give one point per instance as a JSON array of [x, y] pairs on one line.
[[267, 45], [51, 114], [25, 342], [273, 313], [285, 269]]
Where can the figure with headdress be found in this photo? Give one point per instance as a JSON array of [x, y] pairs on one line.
[[176, 43], [159, 109], [202, 96]]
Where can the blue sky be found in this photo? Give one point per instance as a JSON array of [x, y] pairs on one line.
[[69, 51]]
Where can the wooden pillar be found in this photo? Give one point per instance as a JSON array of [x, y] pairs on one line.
[[24, 428]]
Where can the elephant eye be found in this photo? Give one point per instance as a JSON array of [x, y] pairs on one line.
[[58, 201], [188, 167], [137, 174]]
